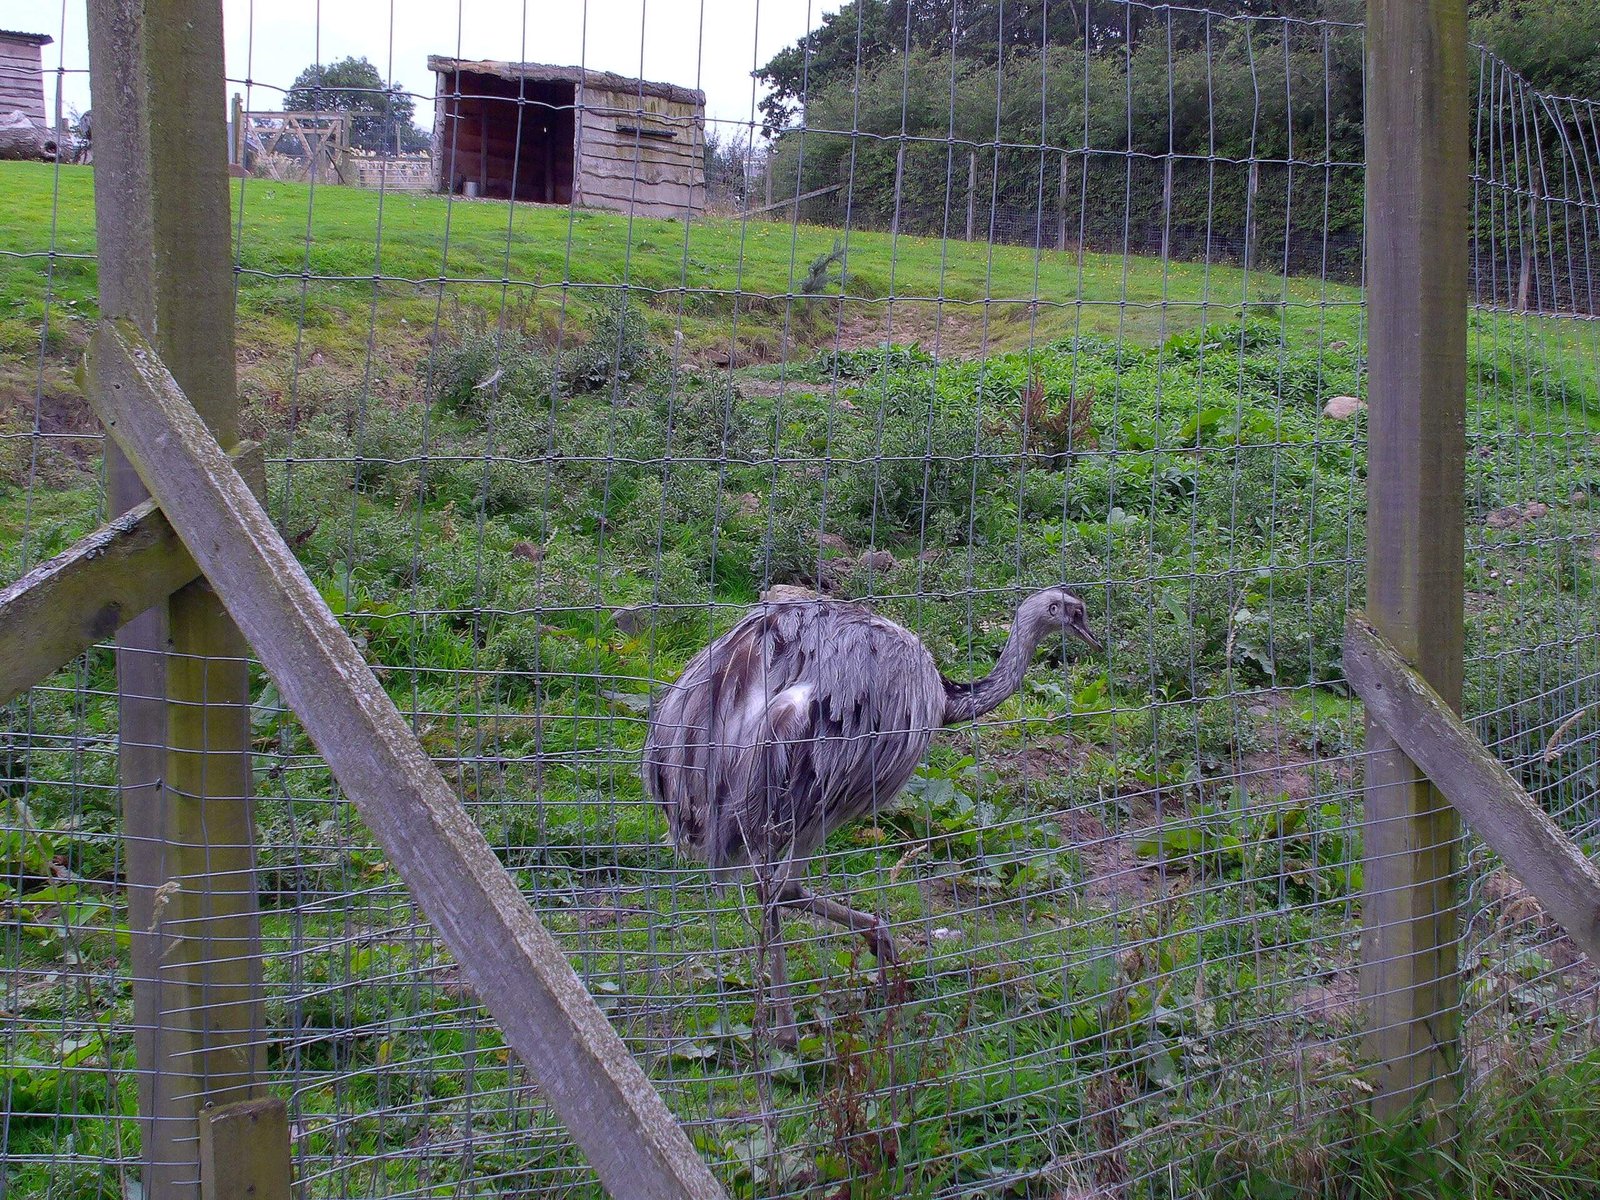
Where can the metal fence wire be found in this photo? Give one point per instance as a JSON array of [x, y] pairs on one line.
[[1087, 311]]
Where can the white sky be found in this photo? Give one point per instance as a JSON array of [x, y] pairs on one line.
[[710, 44]]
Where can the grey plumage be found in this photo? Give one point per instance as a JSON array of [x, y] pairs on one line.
[[803, 717]]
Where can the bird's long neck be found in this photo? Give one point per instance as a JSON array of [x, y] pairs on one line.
[[967, 701]]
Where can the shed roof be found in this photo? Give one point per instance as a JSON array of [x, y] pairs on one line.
[[31, 39], [547, 73]]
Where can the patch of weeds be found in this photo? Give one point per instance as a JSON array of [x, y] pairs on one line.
[[869, 362], [619, 351], [876, 1073], [1285, 848], [485, 366], [951, 812]]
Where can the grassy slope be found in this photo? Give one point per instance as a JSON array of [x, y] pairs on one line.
[[1200, 484], [414, 241]]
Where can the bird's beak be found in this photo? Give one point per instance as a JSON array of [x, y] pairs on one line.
[[1079, 624]]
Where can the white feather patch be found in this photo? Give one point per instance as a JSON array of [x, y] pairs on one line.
[[790, 704]]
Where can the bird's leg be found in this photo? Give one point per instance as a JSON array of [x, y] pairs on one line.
[[780, 1002], [873, 929]]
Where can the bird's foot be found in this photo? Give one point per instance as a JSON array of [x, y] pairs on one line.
[[882, 946]]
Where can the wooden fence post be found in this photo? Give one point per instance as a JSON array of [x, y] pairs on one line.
[[161, 208], [1061, 205], [518, 970], [1166, 210], [972, 191], [1417, 136], [244, 1151]]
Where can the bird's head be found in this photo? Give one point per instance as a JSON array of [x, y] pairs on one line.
[[1055, 608]]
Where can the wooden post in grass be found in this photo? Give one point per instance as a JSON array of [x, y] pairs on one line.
[[1416, 113], [1549, 864], [161, 213], [972, 191], [244, 1151], [515, 966], [1061, 205]]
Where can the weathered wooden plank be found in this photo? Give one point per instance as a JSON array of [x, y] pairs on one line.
[[770, 205], [653, 173], [87, 593], [22, 81], [616, 159], [624, 165], [585, 81], [641, 206], [1495, 805], [683, 140], [1416, 139], [516, 967], [161, 208], [676, 147], [623, 160], [614, 107], [244, 1151], [619, 176], [661, 195], [625, 130]]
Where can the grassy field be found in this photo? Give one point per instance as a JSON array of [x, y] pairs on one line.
[[1129, 899]]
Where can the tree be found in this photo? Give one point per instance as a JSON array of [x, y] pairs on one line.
[[380, 117], [1553, 44], [733, 167]]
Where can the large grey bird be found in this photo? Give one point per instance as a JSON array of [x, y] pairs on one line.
[[805, 716]]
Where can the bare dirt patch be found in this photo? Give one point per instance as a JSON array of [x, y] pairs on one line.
[[944, 329], [46, 402], [1113, 872], [1335, 1001]]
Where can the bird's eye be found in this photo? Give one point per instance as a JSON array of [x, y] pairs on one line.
[[1055, 608]]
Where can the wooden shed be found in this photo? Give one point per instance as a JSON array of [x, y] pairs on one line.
[[22, 74], [566, 135]]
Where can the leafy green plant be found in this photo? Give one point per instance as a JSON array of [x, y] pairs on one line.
[[1271, 842], [484, 365], [618, 350], [949, 809]]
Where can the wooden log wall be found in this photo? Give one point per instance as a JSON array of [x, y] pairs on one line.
[[607, 145], [22, 80], [643, 154]]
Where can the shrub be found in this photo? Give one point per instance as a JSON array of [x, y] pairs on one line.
[[618, 350]]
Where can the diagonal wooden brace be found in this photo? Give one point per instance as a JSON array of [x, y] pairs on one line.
[[1494, 805], [517, 968], [86, 593]]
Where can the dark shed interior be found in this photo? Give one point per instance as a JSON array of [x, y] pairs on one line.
[[512, 137]]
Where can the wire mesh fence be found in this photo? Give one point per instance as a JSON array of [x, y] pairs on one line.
[[1081, 307]]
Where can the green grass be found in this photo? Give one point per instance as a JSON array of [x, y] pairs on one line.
[[1051, 1031], [309, 265]]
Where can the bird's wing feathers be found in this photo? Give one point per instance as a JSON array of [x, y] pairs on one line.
[[800, 718]]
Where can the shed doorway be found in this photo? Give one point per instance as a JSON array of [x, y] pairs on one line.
[[511, 138]]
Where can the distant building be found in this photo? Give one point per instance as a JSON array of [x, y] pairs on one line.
[[22, 74], [565, 135]]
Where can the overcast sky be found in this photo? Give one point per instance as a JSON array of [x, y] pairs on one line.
[[710, 44]]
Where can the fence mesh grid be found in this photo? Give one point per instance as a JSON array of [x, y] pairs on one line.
[[1080, 305]]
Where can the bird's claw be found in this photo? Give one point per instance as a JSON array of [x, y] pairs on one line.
[[882, 947]]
